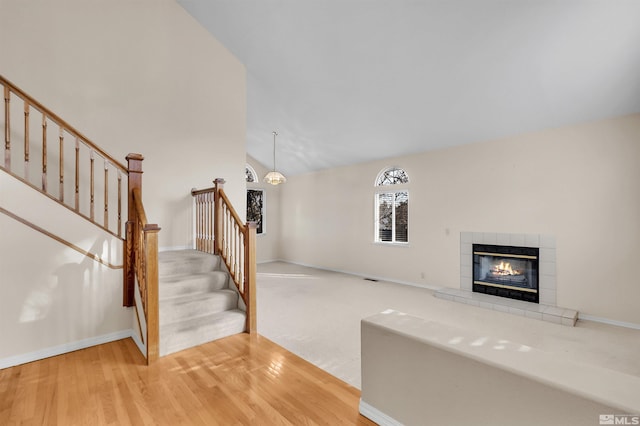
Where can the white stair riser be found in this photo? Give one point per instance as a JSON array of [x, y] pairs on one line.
[[208, 303], [215, 280], [174, 338], [188, 265]]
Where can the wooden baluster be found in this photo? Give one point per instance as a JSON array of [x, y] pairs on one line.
[[205, 222], [44, 152], [235, 248], [91, 191], [106, 194], [201, 232], [241, 259], [227, 239], [77, 190], [200, 213], [7, 128], [211, 208], [61, 167], [26, 139], [210, 231], [119, 203], [218, 218]]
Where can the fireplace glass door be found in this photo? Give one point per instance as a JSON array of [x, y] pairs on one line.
[[506, 271]]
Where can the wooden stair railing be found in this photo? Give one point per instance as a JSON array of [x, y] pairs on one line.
[[73, 171], [75, 156], [219, 230]]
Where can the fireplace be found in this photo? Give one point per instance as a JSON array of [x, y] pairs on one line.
[[506, 271]]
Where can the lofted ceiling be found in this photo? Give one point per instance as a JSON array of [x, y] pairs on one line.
[[349, 81]]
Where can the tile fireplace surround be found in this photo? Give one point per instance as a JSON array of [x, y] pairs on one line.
[[546, 310]]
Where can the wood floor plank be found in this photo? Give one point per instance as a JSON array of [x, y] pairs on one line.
[[239, 380]]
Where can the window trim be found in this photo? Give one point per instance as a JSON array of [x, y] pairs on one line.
[[253, 174], [390, 188], [376, 235]]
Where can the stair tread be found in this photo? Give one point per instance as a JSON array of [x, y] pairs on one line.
[[181, 262], [198, 295], [176, 279]]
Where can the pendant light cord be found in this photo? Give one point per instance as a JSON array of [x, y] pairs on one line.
[[274, 150]]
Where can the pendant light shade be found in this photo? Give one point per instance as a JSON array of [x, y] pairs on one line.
[[274, 177]]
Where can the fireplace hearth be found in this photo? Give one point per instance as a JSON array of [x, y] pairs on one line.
[[506, 271]]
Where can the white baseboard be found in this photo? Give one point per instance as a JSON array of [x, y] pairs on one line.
[[62, 349], [593, 318], [363, 275], [139, 344], [260, 262], [376, 415]]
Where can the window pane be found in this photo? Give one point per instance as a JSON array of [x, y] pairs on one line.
[[402, 217], [392, 176], [254, 208], [385, 217], [250, 174]]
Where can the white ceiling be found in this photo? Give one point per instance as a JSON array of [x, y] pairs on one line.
[[348, 81]]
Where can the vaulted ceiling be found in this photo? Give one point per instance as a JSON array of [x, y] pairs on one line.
[[348, 81]]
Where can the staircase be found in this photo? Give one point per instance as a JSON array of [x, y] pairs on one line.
[[198, 301], [180, 298]]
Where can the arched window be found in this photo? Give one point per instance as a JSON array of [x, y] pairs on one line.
[[251, 175], [392, 206], [392, 176]]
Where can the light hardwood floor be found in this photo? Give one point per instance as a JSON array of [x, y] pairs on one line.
[[239, 380]]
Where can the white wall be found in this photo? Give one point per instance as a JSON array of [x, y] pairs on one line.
[[580, 184], [268, 242], [52, 298], [136, 76]]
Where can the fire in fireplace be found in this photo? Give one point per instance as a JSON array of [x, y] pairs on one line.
[[506, 271]]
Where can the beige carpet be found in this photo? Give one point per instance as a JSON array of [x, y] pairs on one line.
[[316, 314]]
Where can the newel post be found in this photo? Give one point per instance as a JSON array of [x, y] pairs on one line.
[[218, 216], [250, 277], [134, 166]]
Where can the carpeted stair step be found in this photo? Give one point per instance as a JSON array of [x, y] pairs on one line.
[[176, 285], [183, 262], [198, 330], [197, 304]]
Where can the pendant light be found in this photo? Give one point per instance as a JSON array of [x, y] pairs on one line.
[[274, 177]]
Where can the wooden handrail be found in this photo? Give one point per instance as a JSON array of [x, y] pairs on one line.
[[56, 118], [85, 196], [229, 238], [236, 218], [43, 231]]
